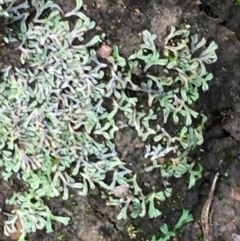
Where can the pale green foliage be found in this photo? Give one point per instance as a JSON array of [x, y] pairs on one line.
[[56, 132], [3, 11], [33, 215]]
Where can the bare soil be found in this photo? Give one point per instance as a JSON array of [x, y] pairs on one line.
[[122, 21]]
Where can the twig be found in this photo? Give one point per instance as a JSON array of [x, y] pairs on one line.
[[205, 222]]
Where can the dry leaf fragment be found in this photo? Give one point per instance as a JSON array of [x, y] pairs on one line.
[[16, 235], [120, 191], [137, 11]]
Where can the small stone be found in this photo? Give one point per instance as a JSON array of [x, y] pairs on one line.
[[235, 237], [104, 51], [231, 227]]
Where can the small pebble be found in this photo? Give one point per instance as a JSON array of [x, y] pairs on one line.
[[235, 237], [104, 51]]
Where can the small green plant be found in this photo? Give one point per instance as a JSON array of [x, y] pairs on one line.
[[185, 218], [132, 231]]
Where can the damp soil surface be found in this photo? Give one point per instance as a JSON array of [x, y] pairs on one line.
[[122, 21]]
